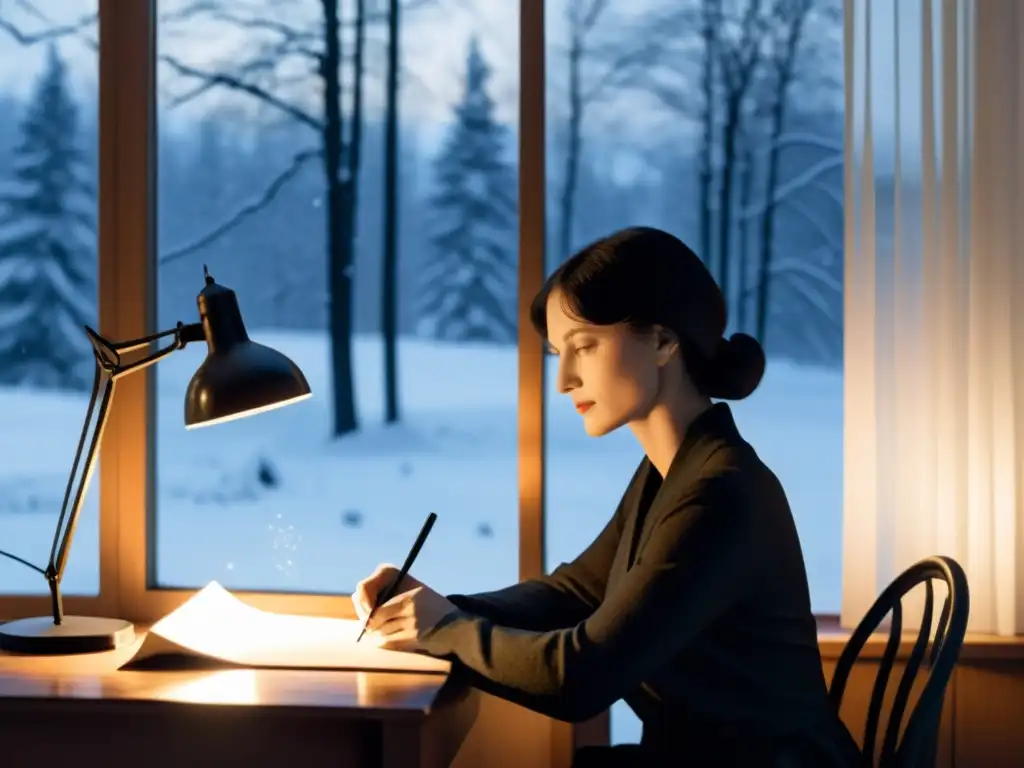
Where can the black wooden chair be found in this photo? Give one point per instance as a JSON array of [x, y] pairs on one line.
[[917, 747]]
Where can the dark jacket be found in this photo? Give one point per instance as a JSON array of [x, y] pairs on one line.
[[692, 605]]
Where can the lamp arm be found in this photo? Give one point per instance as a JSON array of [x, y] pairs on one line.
[[110, 352], [109, 368]]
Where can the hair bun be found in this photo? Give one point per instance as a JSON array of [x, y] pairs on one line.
[[736, 368]]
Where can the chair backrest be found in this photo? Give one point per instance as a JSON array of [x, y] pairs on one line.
[[917, 747]]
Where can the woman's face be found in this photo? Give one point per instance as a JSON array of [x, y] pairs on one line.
[[611, 372]]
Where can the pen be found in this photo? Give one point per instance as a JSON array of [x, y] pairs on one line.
[[389, 593]]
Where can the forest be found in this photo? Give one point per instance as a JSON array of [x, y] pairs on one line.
[[288, 164]]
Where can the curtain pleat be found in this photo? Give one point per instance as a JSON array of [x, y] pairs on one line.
[[934, 344]]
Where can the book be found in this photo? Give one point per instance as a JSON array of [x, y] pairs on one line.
[[215, 628]]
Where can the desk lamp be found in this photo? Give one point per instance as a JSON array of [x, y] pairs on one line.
[[238, 378]]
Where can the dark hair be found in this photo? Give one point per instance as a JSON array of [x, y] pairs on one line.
[[645, 277]]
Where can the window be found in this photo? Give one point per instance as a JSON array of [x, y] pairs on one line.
[[48, 284], [310, 497], [757, 192]]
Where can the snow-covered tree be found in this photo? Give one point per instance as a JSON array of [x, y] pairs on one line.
[[469, 286], [47, 244]]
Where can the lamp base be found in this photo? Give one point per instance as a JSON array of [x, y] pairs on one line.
[[75, 634]]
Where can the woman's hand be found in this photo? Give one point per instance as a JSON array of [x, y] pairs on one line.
[[367, 590], [402, 622]]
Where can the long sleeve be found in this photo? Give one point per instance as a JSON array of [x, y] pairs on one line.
[[561, 599], [702, 555]]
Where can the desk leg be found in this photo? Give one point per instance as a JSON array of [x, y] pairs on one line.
[[402, 746], [433, 742]]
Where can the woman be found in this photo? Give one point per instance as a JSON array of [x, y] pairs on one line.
[[692, 604]]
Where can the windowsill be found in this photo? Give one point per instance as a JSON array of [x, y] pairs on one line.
[[977, 647]]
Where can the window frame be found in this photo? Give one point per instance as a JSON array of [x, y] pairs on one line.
[[130, 451], [127, 309]]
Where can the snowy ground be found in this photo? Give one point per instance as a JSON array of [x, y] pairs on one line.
[[271, 503]]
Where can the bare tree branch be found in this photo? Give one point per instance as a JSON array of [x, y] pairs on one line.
[[832, 193], [53, 31], [802, 139], [678, 96], [664, 63], [215, 8], [187, 12], [245, 211], [820, 337], [380, 17], [807, 214], [582, 18], [266, 25], [623, 69], [806, 177], [739, 60], [25, 38], [810, 270], [213, 79], [807, 273]]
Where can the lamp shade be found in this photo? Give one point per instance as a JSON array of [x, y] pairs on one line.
[[239, 377]]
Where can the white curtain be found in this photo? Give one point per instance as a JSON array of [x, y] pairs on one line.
[[934, 318]]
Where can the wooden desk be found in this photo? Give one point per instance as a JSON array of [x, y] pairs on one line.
[[79, 708]]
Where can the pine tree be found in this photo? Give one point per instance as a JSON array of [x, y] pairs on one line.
[[47, 245], [469, 286]]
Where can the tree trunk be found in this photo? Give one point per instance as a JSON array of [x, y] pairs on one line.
[[764, 265], [339, 252], [729, 132], [743, 247], [389, 276], [355, 141], [737, 79], [708, 142], [778, 118], [353, 148]]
